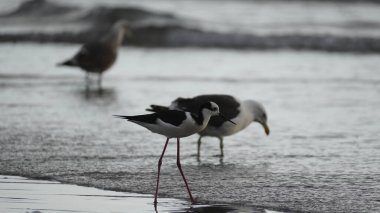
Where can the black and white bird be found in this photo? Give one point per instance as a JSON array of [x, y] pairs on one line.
[[243, 113], [176, 124], [98, 56]]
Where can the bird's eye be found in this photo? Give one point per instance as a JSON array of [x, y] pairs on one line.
[[214, 109]]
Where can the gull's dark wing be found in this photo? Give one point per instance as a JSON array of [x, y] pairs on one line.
[[95, 57], [228, 106]]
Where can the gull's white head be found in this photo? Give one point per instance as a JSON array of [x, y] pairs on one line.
[[116, 35], [259, 113], [123, 27]]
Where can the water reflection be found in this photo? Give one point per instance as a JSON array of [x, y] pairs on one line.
[[107, 95], [209, 209], [220, 157], [219, 208], [51, 196]]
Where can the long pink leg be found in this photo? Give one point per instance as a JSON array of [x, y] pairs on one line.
[[159, 168], [180, 169]]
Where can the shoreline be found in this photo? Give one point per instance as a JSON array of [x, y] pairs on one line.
[[297, 42], [150, 28]]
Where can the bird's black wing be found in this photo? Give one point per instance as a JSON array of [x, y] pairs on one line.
[[157, 108], [173, 117]]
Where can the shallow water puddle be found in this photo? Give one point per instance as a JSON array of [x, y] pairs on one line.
[[23, 195]]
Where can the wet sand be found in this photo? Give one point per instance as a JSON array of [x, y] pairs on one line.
[[322, 154], [22, 195]]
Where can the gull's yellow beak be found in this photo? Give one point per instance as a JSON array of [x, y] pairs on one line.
[[266, 128]]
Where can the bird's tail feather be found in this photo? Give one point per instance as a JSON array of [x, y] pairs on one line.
[[69, 62], [157, 108], [139, 119], [122, 116]]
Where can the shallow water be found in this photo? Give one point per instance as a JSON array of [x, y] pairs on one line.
[[20, 194], [322, 154]]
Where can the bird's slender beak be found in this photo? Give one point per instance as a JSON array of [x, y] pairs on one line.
[[222, 116], [266, 128]]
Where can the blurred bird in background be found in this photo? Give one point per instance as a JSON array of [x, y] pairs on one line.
[[98, 56]]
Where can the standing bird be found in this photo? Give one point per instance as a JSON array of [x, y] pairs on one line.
[[176, 124], [242, 113], [98, 56]]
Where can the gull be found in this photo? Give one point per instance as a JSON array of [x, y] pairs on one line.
[[98, 56]]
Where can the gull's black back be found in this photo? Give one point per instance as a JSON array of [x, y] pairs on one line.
[[228, 106]]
